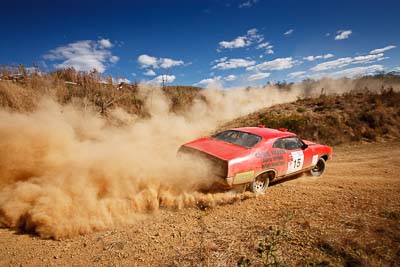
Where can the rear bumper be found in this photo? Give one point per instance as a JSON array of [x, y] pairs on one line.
[[218, 168], [229, 181]]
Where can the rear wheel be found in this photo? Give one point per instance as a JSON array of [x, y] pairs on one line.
[[319, 168], [260, 183]]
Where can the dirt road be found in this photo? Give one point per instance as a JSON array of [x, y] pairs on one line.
[[350, 217]]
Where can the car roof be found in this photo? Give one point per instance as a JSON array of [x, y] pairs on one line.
[[265, 133]]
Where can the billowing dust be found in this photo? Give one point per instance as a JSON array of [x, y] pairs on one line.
[[65, 170]]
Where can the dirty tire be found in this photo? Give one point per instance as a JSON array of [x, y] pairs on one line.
[[319, 168], [260, 184]]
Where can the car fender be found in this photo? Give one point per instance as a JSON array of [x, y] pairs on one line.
[[265, 171]]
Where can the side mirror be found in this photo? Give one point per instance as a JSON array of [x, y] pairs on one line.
[[304, 146]]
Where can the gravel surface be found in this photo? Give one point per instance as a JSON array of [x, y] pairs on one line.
[[348, 217]]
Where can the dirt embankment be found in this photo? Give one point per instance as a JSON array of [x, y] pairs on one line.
[[350, 216], [333, 119]]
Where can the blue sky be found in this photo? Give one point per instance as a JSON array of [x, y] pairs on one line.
[[204, 42]]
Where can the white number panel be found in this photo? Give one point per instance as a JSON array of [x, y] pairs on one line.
[[295, 161], [314, 160]]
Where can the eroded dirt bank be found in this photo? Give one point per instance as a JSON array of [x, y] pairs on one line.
[[350, 216]]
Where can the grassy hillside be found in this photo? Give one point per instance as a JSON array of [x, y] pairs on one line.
[[333, 119], [21, 87], [20, 90], [328, 111]]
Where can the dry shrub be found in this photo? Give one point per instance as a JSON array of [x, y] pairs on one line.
[[333, 119], [14, 97]]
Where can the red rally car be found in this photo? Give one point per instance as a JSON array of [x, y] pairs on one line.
[[254, 156]]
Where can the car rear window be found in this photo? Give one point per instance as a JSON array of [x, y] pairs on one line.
[[238, 138]]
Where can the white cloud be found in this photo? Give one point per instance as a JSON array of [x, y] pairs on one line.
[[326, 56], [150, 73], [312, 58], [267, 46], [356, 71], [288, 32], [258, 76], [114, 59], [163, 79], [368, 58], [253, 35], [147, 61], [166, 63], [296, 74], [345, 61], [341, 35], [333, 64], [105, 43], [123, 80], [276, 64], [243, 41], [248, 3], [215, 83], [381, 50], [219, 60], [240, 41], [230, 78], [233, 63], [350, 72], [82, 55]]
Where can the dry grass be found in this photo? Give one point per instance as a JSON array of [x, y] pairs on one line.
[[20, 89], [334, 119], [369, 111]]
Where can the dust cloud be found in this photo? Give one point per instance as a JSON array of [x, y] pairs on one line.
[[65, 170]]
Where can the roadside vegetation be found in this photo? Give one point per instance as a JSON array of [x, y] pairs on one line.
[[334, 119], [369, 111], [20, 89]]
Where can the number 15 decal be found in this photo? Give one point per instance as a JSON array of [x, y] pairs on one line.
[[296, 162]]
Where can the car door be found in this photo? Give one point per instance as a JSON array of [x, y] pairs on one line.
[[310, 158], [278, 157], [294, 154]]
